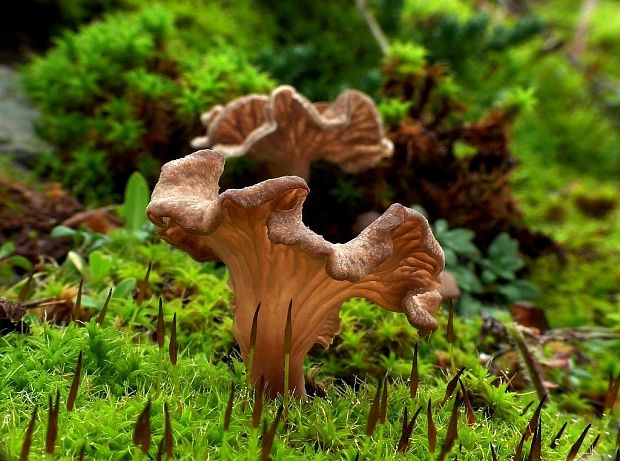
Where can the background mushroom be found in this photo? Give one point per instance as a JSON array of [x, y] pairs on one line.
[[273, 258], [287, 132]]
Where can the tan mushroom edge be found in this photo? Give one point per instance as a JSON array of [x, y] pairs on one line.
[[273, 258], [287, 131]]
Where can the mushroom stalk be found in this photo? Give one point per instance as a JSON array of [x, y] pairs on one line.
[[278, 276]]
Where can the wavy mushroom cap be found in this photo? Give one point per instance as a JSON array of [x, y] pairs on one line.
[[273, 258], [288, 132]]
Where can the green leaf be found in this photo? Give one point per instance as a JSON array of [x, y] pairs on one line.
[[137, 196], [467, 279], [440, 227], [519, 290], [459, 240], [503, 258], [99, 265], [90, 302], [62, 231], [77, 261], [6, 249], [451, 258], [21, 262], [124, 288], [468, 305], [488, 277]]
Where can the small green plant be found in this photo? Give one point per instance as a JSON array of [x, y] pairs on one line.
[[406, 58], [484, 279], [9, 260], [393, 110], [137, 195]]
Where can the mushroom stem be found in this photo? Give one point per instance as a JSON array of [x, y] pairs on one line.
[[281, 364], [272, 371]]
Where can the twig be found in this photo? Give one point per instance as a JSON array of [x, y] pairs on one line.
[[580, 37], [373, 25]]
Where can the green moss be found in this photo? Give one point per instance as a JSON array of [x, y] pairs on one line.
[[126, 93]]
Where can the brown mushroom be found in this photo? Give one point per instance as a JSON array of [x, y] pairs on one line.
[[288, 132], [449, 286], [273, 258]]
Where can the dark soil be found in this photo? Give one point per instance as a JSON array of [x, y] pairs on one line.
[[27, 217]]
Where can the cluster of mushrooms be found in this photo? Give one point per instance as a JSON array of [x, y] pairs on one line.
[[274, 260]]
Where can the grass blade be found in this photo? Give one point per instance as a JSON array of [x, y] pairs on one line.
[[493, 455], [169, 441], [450, 327], [554, 442], [160, 450], [592, 447], [384, 403], [519, 450], [161, 325], [403, 443], [612, 392], [269, 435], [253, 334], [531, 426], [173, 347], [432, 430], [471, 419], [288, 335], [52, 424], [75, 384], [536, 448], [288, 329], [27, 443], [257, 411], [415, 375], [142, 430], [405, 422], [577, 445], [452, 433], [229, 407], [534, 370], [26, 289], [144, 285], [527, 407], [451, 386], [104, 309], [373, 414], [78, 301]]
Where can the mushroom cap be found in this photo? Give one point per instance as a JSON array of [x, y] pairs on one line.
[[287, 131], [393, 261]]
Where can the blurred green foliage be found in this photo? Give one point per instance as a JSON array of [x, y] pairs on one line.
[[126, 93], [499, 51], [321, 48]]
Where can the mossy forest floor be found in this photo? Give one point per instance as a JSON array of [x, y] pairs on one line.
[[130, 88], [123, 367]]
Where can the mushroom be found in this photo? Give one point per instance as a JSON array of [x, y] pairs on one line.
[[449, 286], [287, 131], [274, 258]]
